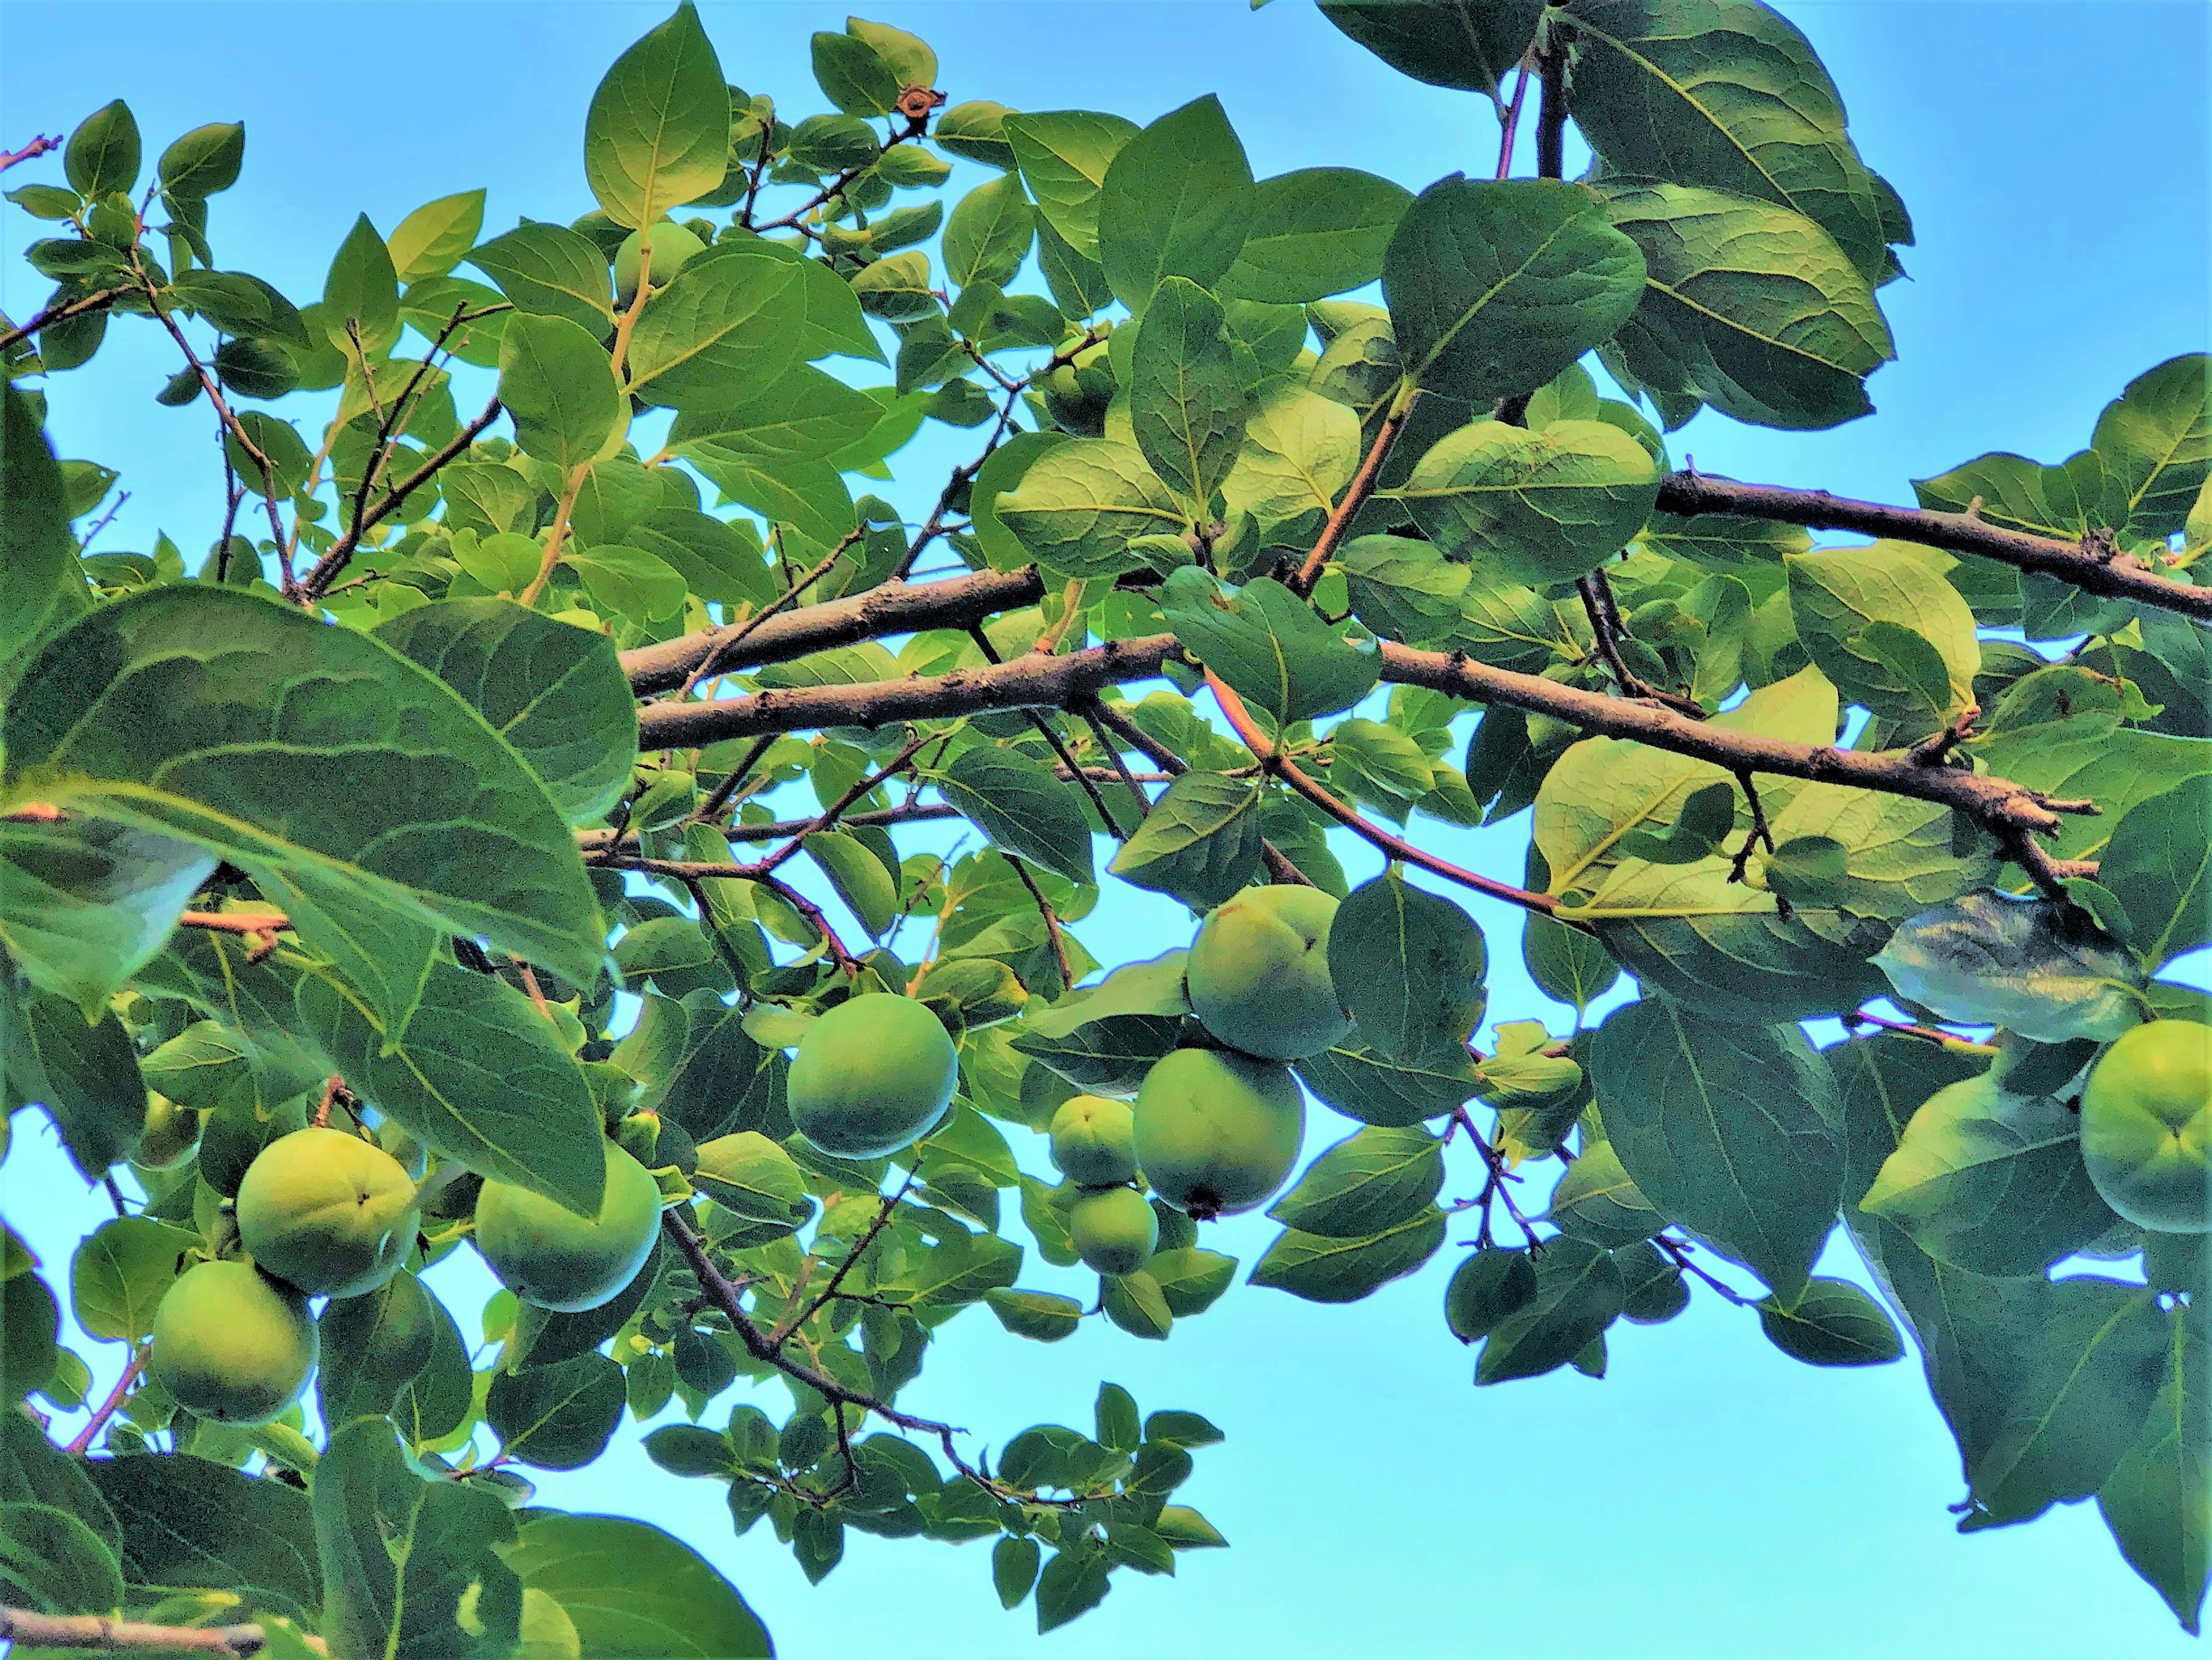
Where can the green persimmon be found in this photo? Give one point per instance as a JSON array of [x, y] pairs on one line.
[[1094, 1142], [232, 1344], [170, 1136], [328, 1213], [1259, 976], [873, 1075], [672, 247], [1217, 1131], [1076, 393], [2147, 1126], [550, 1255], [1114, 1230]]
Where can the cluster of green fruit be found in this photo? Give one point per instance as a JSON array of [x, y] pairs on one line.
[[324, 1212], [2147, 1126]]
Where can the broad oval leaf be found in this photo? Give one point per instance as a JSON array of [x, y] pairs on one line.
[[1177, 201], [2038, 968], [658, 132], [1266, 643], [1186, 411], [1408, 965], [558, 1417], [1861, 610], [1325, 1269], [1579, 1294], [1022, 807], [316, 758], [1313, 232], [1080, 502], [1199, 843], [1494, 288], [1833, 1323], [556, 383], [1537, 508], [1365, 1184], [1735, 1132]]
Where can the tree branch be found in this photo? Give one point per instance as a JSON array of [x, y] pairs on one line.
[[896, 607], [1685, 494], [106, 1409], [27, 1630], [1396, 847], [325, 570], [62, 312], [41, 144], [1356, 493]]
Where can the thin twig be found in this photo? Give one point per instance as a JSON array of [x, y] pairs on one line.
[[1051, 921], [82, 1440], [792, 1323], [1397, 846], [41, 144], [1356, 492], [731, 642], [61, 312], [1512, 122], [326, 571], [29, 1631], [556, 534]]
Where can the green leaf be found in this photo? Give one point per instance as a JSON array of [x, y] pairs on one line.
[[1401, 587], [1408, 965], [120, 1273], [1466, 44], [1300, 451], [1365, 1085], [555, 380], [1865, 614], [187, 1522], [1177, 201], [557, 694], [400, 1554], [1365, 1184], [1064, 155], [1579, 1294], [629, 582], [41, 584], [2039, 969], [2077, 1396], [1750, 308], [1735, 1132], [728, 322], [1022, 807], [2158, 1499], [1313, 232], [1073, 1583], [870, 891], [1488, 1286], [1730, 96], [1266, 642], [479, 1076], [1494, 288], [1080, 501], [436, 237], [558, 1417], [1323, 1269], [1596, 1201], [2159, 866], [360, 295], [1014, 1569], [549, 270], [2155, 441], [54, 1563], [1833, 1323], [1886, 856], [373, 1347], [1200, 841], [1538, 507], [1991, 1182], [1041, 1315], [658, 132], [854, 75], [989, 232], [1185, 409], [315, 796], [85, 1074], [204, 160], [103, 154]]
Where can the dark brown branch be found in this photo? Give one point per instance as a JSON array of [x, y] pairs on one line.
[[326, 571], [792, 1323], [1551, 109], [1605, 627], [1356, 493], [61, 312], [1396, 847], [1051, 921], [1684, 493], [830, 814], [1031, 681], [725, 1295], [896, 607], [230, 424]]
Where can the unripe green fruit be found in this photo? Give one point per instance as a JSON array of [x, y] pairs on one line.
[[1114, 1230], [232, 1344], [547, 1255], [1094, 1142], [871, 1076], [1217, 1131], [2147, 1126], [327, 1212], [1259, 974], [673, 246], [170, 1135], [1076, 393]]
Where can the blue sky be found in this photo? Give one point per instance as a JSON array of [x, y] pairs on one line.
[[1710, 1498]]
